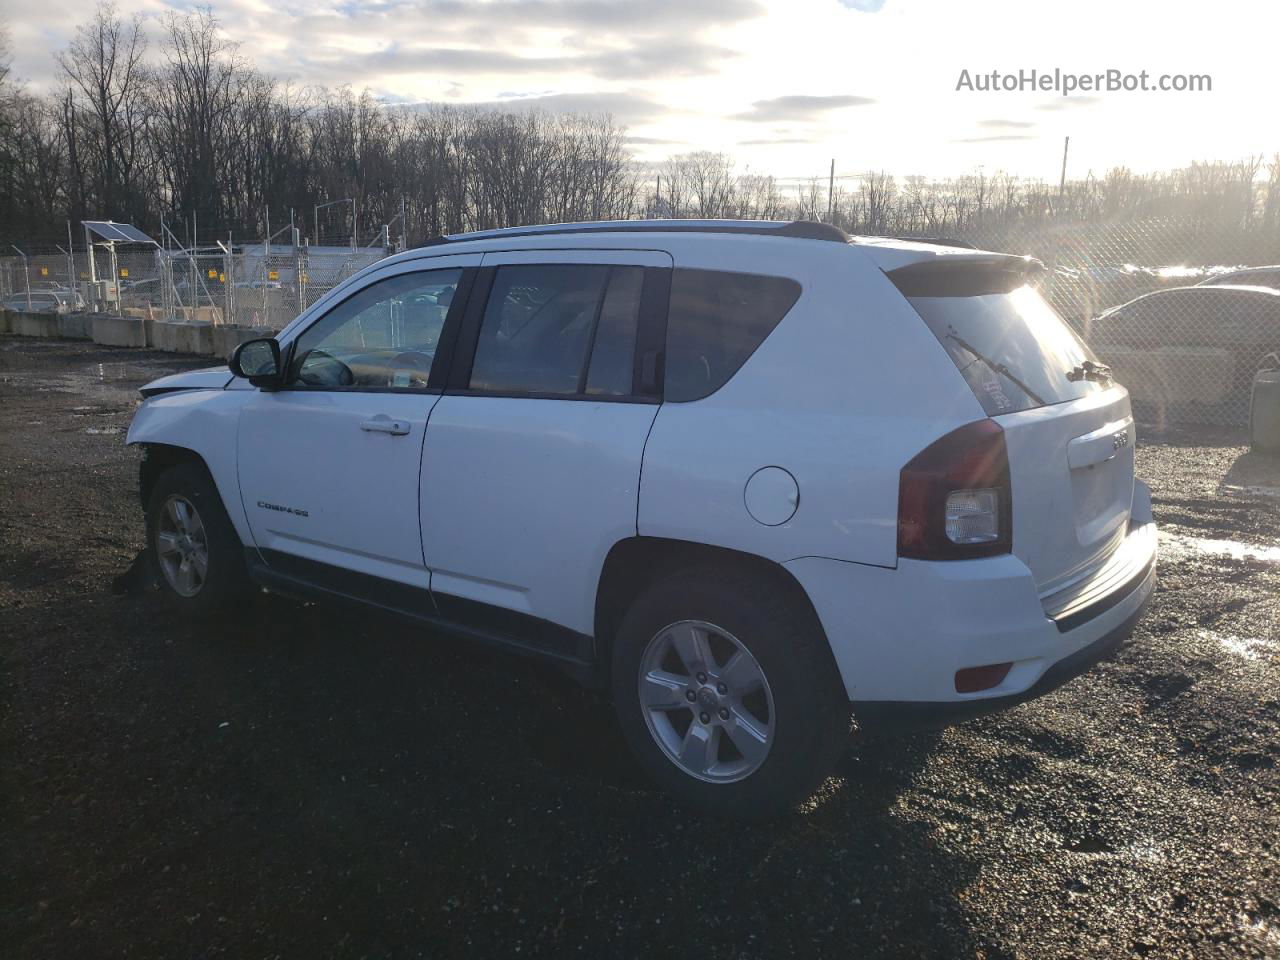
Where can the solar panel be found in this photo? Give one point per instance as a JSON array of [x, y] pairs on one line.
[[119, 232]]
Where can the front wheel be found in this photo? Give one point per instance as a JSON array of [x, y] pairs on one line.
[[195, 549], [727, 694]]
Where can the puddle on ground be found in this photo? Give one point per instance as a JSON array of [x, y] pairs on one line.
[[1176, 547], [104, 430], [1247, 648]]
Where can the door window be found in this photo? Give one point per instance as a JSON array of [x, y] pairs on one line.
[[384, 336], [560, 329]]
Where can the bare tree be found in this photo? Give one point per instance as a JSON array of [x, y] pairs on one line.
[[104, 66]]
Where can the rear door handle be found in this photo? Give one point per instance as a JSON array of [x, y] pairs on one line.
[[384, 424]]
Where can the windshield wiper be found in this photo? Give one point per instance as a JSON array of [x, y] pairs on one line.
[[999, 368], [1089, 370]]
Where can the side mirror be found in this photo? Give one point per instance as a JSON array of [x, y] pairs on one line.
[[258, 361]]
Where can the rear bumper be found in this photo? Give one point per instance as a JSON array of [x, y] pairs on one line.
[[906, 715], [899, 636]]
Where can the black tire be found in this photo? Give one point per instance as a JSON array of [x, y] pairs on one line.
[[225, 581], [811, 711]]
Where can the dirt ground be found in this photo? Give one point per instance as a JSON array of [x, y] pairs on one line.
[[306, 781]]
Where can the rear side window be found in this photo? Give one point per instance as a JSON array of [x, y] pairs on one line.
[[1012, 348], [716, 321], [559, 329]]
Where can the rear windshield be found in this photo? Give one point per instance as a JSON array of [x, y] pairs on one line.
[[1013, 349]]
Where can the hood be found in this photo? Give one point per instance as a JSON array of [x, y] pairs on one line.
[[206, 378]]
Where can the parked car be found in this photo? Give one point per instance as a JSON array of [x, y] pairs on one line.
[[1247, 276], [1191, 345], [142, 291], [40, 301], [746, 477]]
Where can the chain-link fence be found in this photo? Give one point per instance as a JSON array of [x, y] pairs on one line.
[[263, 286], [1185, 355]]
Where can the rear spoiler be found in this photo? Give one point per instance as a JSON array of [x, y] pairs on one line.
[[965, 276]]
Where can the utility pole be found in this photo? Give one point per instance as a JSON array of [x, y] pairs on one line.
[[1062, 182], [93, 267], [831, 190], [196, 282], [266, 255], [657, 198], [26, 275], [71, 266]]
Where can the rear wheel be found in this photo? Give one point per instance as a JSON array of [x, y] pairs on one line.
[[197, 555], [727, 693]]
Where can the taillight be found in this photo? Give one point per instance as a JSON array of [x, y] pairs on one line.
[[954, 499]]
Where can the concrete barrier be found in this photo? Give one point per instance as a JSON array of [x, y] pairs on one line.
[[75, 326], [228, 336], [37, 325], [119, 331], [196, 338], [177, 336]]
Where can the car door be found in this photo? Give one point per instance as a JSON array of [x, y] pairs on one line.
[[532, 460], [329, 465]]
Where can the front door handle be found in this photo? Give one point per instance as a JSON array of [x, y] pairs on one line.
[[384, 424]]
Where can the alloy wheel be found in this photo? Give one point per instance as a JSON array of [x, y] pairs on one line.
[[706, 701], [181, 546]]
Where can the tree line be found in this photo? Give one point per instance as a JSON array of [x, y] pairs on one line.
[[193, 132]]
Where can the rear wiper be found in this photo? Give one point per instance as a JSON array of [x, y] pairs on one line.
[[1090, 370], [999, 368]]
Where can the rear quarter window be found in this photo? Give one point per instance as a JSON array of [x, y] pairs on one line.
[[716, 321]]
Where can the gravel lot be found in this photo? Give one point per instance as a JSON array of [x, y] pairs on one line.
[[305, 781]]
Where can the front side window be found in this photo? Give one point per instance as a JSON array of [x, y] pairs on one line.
[[384, 336], [560, 329], [717, 320]]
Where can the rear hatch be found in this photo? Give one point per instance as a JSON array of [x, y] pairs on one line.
[[1068, 428]]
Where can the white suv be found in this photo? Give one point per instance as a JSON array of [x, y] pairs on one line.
[[745, 476]]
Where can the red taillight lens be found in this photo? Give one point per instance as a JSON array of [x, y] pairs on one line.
[[954, 499]]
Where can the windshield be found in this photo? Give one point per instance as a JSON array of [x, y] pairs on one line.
[[1013, 349]]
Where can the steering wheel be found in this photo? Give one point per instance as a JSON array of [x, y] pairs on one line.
[[320, 369], [415, 359], [417, 362]]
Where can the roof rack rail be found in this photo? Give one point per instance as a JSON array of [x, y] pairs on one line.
[[796, 229]]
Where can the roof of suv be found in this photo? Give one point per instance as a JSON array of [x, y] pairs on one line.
[[887, 252], [796, 229]]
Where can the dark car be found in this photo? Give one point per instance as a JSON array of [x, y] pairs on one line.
[[1191, 347], [1246, 276]]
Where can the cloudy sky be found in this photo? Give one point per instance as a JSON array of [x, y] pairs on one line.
[[783, 86]]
